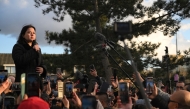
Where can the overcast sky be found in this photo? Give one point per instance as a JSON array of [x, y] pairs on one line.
[[17, 13]]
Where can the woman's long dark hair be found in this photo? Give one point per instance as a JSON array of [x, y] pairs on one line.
[[23, 31]]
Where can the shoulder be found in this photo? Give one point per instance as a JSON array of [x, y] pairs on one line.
[[17, 45]]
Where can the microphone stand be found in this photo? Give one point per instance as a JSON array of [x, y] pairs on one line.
[[108, 55], [137, 76]]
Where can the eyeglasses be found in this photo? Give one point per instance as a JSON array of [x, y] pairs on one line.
[[174, 102], [179, 87]]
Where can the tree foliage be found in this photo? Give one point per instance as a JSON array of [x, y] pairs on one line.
[[162, 15]]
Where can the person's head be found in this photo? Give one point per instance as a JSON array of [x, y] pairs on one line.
[[27, 34], [139, 106], [179, 99], [163, 88], [187, 87], [180, 85], [103, 98], [59, 103], [33, 103]]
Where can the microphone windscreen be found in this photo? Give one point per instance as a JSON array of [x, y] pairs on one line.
[[99, 36]]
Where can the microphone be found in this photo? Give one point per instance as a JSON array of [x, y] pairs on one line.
[[99, 36]]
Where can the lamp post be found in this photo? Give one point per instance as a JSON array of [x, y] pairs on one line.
[[167, 59]]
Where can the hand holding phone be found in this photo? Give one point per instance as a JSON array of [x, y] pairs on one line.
[[68, 90], [149, 85], [124, 92]]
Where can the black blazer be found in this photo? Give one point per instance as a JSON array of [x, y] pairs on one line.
[[26, 60]]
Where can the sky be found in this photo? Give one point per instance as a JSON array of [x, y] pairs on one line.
[[17, 13]]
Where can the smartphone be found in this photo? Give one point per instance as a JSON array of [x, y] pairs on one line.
[[124, 92], [23, 84], [92, 67], [3, 75], [16, 86], [55, 93], [149, 85], [8, 102], [58, 70], [46, 80], [104, 87], [89, 102], [53, 78], [32, 84], [60, 88], [68, 90]]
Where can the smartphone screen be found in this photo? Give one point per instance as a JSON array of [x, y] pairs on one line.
[[149, 85], [89, 102], [23, 81], [8, 102], [124, 92], [3, 75], [68, 89], [60, 89], [32, 84], [55, 93]]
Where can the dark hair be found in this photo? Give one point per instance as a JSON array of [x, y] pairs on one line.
[[104, 95], [139, 106], [23, 31]]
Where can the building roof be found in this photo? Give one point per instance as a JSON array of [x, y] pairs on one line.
[[6, 58]]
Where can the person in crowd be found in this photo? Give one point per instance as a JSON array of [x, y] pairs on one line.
[[157, 100], [180, 85], [33, 103], [46, 88], [187, 87], [95, 76], [179, 100], [103, 98], [163, 88], [26, 53]]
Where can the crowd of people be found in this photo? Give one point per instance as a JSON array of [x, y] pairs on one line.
[[109, 99]]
